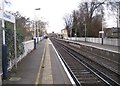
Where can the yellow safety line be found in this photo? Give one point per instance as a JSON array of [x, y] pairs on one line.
[[41, 63]]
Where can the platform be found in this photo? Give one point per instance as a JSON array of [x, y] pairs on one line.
[[42, 66], [105, 47], [111, 48]]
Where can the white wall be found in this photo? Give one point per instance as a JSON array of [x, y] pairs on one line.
[[28, 47]]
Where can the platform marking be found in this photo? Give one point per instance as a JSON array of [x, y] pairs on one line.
[[41, 63], [47, 71], [66, 70]]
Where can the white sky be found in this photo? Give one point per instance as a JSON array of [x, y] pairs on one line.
[[51, 11]]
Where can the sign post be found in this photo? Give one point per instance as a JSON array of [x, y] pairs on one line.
[[0, 52], [6, 16], [102, 36], [0, 45]]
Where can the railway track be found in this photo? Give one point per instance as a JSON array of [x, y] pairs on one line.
[[84, 71], [111, 62]]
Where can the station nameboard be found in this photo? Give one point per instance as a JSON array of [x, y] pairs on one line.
[[7, 16]]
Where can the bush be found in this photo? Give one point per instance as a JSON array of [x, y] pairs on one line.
[[9, 34]]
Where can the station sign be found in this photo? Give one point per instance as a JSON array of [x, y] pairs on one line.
[[0, 4], [4, 15], [7, 16]]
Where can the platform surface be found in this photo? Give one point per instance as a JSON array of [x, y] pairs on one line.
[[111, 48], [41, 66]]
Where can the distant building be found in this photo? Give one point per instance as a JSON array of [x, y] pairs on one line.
[[53, 35], [64, 33], [112, 32]]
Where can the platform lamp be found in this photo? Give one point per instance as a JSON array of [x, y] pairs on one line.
[[102, 29], [35, 23], [37, 9]]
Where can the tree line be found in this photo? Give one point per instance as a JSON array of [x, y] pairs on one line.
[[24, 32], [90, 14]]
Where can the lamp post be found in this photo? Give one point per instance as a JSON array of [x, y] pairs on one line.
[[85, 32], [118, 19], [35, 24], [85, 28], [6, 16], [118, 14], [102, 28]]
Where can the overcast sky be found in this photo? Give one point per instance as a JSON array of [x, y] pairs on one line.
[[51, 11]]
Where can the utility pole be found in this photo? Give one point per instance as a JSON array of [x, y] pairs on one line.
[[36, 24]]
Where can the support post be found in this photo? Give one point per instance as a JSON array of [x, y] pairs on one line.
[[4, 61], [0, 52], [15, 45], [102, 29], [85, 28]]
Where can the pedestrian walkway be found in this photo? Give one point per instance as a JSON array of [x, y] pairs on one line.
[[41, 66]]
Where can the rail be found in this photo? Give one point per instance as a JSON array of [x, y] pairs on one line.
[[103, 75]]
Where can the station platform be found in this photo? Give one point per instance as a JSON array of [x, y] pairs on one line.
[[110, 48], [42, 66]]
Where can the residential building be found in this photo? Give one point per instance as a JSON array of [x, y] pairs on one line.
[[64, 33]]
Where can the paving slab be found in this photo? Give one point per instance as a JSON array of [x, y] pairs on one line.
[[47, 72], [30, 70], [27, 69], [58, 72]]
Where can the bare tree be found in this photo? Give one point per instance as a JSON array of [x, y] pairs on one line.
[[41, 27], [68, 19], [92, 14]]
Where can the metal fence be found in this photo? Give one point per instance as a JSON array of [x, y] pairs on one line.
[[108, 41]]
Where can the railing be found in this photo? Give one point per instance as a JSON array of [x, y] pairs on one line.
[[108, 41]]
